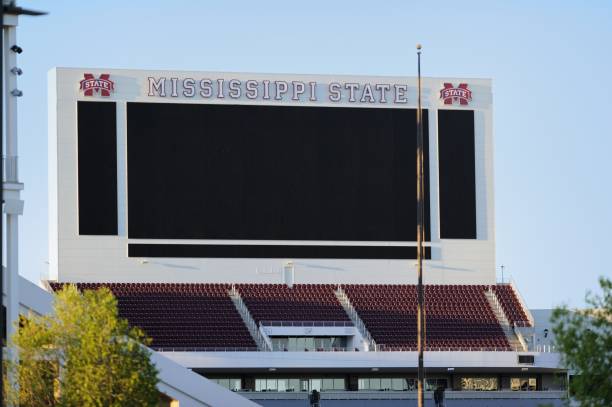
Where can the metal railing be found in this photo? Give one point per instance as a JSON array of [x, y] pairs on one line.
[[354, 316], [204, 349], [247, 318], [545, 348], [9, 167], [508, 328], [387, 348], [522, 302], [306, 323], [332, 349]]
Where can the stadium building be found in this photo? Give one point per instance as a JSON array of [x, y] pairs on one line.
[[261, 230]]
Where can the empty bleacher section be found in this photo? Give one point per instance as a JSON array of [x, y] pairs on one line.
[[511, 305], [458, 317], [272, 303], [203, 316], [181, 316]]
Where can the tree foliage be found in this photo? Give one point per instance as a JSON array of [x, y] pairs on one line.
[[584, 338], [82, 354]]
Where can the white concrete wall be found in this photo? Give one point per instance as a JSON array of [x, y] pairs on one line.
[[500, 361], [104, 258]]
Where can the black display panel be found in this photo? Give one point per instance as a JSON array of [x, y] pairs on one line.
[[457, 174], [253, 251], [198, 171], [97, 168]]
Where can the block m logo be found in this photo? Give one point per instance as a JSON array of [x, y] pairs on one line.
[[102, 85], [449, 94]]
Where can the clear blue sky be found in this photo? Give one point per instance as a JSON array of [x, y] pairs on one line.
[[550, 61]]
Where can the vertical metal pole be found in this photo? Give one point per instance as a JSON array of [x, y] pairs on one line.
[[13, 187], [3, 329], [420, 238]]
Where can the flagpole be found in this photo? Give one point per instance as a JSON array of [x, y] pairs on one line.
[[420, 238]]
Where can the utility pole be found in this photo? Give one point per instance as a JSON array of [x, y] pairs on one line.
[[420, 238]]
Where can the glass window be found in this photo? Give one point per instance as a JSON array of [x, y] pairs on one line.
[[282, 384], [305, 383], [236, 384], [479, 383], [363, 384], [385, 384], [532, 383], [301, 344], [260, 384], [397, 384], [294, 385], [433, 384], [523, 383], [327, 384], [374, 383], [293, 344], [339, 384], [315, 384], [271, 384]]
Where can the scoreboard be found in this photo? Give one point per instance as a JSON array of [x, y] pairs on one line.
[[225, 177]]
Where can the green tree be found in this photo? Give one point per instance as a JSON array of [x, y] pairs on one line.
[[584, 339], [81, 355]]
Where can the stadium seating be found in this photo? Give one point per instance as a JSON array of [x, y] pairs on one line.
[[203, 316], [511, 305], [194, 316], [458, 317], [302, 302]]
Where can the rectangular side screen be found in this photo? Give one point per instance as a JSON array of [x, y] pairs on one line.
[[457, 174], [198, 171], [97, 168]]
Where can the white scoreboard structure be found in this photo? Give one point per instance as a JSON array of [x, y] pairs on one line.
[[166, 176]]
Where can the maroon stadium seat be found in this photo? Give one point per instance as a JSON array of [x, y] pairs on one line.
[[194, 316], [510, 304], [458, 317], [302, 302]]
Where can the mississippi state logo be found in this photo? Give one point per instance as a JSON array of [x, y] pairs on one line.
[[102, 85], [449, 94]]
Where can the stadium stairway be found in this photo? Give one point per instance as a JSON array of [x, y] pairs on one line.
[[354, 316], [262, 343], [508, 329]]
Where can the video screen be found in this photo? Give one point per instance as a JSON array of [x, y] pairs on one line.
[[253, 172]]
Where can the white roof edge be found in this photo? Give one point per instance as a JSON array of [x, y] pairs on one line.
[[304, 74]]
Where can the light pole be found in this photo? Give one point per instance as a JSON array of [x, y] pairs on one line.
[[12, 205], [420, 238]]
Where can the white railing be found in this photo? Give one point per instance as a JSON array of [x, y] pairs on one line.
[[9, 167], [522, 302], [332, 349], [354, 316], [306, 323], [244, 312], [521, 338], [387, 348], [509, 329], [204, 349], [545, 348]]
